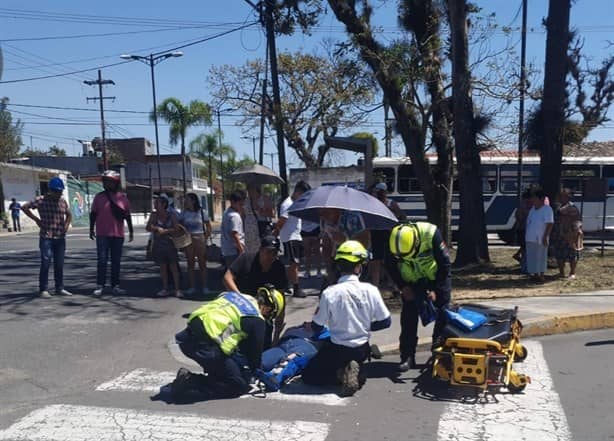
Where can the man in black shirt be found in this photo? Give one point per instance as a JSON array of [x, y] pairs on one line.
[[251, 271]]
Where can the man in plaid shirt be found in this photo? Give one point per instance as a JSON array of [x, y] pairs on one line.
[[54, 220]]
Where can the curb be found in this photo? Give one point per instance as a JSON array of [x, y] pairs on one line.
[[563, 324], [556, 324]]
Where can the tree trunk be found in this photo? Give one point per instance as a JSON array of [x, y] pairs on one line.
[[407, 124], [428, 41], [555, 95], [185, 188], [473, 242]]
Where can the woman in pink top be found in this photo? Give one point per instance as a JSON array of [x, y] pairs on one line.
[[109, 210]]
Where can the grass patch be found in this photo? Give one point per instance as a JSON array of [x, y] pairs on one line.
[[502, 278]]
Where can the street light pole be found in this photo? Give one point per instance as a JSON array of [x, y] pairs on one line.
[[219, 146], [155, 118], [253, 138], [151, 61]]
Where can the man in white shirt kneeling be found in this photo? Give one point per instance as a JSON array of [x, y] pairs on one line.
[[351, 309]]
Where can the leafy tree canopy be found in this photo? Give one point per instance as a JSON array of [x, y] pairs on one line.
[[320, 95], [10, 133]]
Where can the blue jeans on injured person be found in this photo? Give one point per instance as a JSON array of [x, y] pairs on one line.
[[51, 249], [300, 346], [106, 245]]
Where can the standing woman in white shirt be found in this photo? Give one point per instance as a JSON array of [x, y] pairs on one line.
[[197, 223], [537, 234]]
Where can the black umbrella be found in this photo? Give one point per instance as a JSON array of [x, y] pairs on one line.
[[256, 174], [374, 214]]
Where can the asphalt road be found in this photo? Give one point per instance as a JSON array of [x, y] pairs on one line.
[[86, 368]]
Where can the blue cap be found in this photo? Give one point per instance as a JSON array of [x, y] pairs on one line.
[[56, 184]]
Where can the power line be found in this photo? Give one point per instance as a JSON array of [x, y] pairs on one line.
[[192, 43], [104, 34], [96, 19], [65, 74], [75, 108]]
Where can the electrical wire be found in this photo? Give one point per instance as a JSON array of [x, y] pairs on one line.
[[191, 43], [104, 34]]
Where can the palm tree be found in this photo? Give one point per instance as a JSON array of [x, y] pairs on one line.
[[181, 117], [206, 147]]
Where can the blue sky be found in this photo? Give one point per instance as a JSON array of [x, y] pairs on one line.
[[185, 77]]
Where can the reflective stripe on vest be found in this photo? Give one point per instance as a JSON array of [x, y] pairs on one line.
[[423, 266], [221, 318]]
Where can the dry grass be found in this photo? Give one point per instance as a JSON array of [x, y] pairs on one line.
[[502, 278]]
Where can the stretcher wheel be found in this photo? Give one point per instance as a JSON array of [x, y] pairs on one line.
[[516, 389], [521, 352]]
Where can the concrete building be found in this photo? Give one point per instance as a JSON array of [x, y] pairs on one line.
[[24, 183]]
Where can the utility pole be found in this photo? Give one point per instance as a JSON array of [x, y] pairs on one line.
[[272, 155], [279, 122], [100, 82], [523, 56], [263, 105]]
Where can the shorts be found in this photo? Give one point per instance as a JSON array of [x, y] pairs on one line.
[[313, 233], [293, 251]]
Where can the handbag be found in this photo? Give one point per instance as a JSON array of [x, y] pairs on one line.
[[182, 239], [117, 212]]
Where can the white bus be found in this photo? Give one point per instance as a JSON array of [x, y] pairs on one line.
[[499, 186]]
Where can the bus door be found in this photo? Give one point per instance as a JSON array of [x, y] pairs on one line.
[[574, 177]]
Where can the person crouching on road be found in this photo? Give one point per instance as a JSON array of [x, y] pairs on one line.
[[351, 310], [419, 264], [215, 334], [109, 210], [55, 218]]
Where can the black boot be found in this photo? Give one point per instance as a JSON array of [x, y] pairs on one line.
[[407, 363]]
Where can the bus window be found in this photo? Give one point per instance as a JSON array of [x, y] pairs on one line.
[[608, 175], [385, 174], [489, 178], [406, 180], [508, 177], [573, 176]]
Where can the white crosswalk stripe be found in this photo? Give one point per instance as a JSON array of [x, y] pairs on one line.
[[86, 423], [146, 380], [535, 415]]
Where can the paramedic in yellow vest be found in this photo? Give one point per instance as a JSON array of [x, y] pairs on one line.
[[221, 336], [419, 264]]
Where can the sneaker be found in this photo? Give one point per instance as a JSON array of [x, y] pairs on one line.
[[181, 383], [299, 293], [118, 291], [45, 294], [178, 294], [408, 364], [289, 292], [190, 292], [349, 379], [162, 293], [99, 290], [63, 292]]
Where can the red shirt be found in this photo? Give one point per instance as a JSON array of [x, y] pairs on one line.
[[106, 224]]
